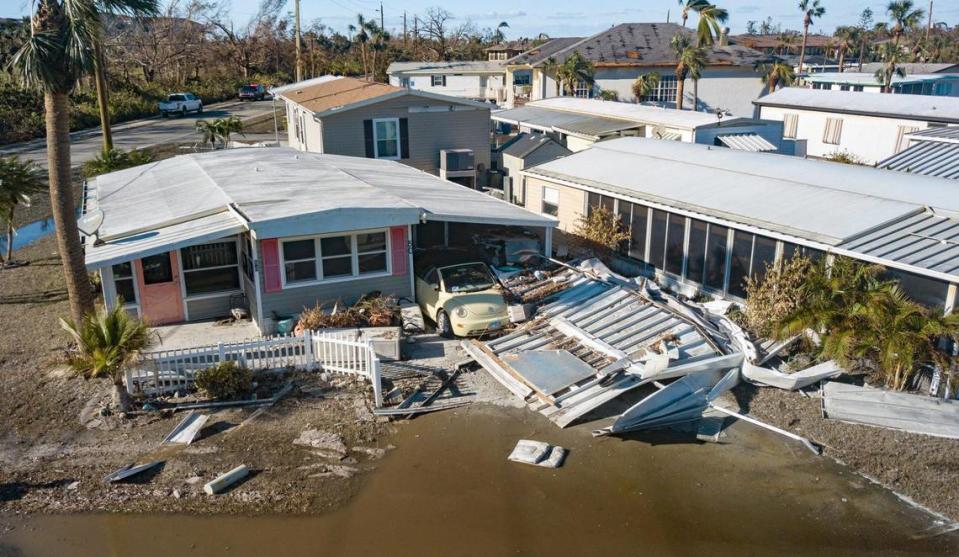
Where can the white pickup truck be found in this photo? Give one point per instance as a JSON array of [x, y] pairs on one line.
[[181, 103]]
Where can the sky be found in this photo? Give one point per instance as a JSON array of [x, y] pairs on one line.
[[559, 18]]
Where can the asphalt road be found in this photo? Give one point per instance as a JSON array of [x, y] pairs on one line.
[[138, 134]]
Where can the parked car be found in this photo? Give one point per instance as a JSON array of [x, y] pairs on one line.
[[181, 103], [252, 92], [463, 299]]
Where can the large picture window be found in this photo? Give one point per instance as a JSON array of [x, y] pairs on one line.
[[715, 272], [665, 90], [657, 239], [675, 241], [637, 232], [211, 268], [739, 265], [696, 258], [386, 138], [335, 257], [550, 201]]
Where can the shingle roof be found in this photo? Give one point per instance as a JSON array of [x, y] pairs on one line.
[[649, 44], [918, 107], [540, 53], [335, 93]]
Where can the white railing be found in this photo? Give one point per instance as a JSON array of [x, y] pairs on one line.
[[166, 371]]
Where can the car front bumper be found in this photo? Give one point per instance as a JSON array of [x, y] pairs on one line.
[[474, 326]]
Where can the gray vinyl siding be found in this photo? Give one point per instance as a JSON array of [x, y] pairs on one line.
[[208, 308], [293, 300], [249, 289], [464, 128]]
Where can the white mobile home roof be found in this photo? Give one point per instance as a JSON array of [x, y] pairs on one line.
[[865, 78], [818, 200], [910, 107], [651, 115], [276, 192]]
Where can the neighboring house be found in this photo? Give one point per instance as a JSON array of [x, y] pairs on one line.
[[523, 83], [816, 45], [915, 68], [346, 116], [702, 219], [942, 85], [470, 80], [870, 127], [524, 151], [931, 152], [578, 123], [626, 51], [273, 230], [504, 51]]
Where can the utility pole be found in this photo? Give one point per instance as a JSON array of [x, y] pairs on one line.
[[929, 27], [416, 33], [404, 29], [299, 47], [382, 25]]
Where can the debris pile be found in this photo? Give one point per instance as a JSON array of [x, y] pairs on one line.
[[538, 453]]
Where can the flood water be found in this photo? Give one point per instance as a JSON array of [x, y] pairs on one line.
[[449, 490], [27, 234]]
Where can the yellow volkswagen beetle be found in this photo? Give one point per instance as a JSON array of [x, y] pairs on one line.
[[462, 299]]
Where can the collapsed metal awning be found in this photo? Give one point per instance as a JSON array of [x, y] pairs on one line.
[[621, 338], [747, 142]]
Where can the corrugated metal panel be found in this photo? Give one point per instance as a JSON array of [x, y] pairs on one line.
[[160, 240], [942, 132], [595, 126], [916, 107], [929, 158], [559, 120], [747, 142], [926, 240]]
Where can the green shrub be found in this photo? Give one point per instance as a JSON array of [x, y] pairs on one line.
[[113, 160], [225, 381]]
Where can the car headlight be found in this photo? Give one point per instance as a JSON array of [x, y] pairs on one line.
[[461, 312]]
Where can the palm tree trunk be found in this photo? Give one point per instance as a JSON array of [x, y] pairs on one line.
[[802, 51], [57, 114], [680, 86], [695, 95], [842, 59], [10, 238], [862, 53], [99, 71]]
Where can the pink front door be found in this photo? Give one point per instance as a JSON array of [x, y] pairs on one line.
[[158, 277]]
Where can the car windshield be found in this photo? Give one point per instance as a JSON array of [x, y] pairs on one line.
[[248, 89], [471, 277]]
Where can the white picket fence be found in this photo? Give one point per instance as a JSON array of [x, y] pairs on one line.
[[166, 371]]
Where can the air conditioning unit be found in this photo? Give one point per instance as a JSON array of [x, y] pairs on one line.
[[456, 160]]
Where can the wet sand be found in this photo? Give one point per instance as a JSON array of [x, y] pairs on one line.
[[448, 489]]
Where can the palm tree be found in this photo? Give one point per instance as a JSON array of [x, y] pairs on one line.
[[550, 68], [891, 56], [113, 160], [786, 40], [219, 130], [865, 34], [379, 39], [847, 38], [58, 53], [710, 23], [690, 61], [108, 342], [775, 73], [576, 69], [690, 5], [361, 37], [19, 179], [811, 10], [645, 85], [903, 15], [208, 132]]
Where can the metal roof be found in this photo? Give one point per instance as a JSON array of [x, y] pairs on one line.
[[938, 133], [544, 119], [437, 68], [164, 239], [284, 192], [526, 143], [652, 115], [914, 68], [927, 240], [912, 107], [929, 158], [865, 78], [818, 200], [746, 142]]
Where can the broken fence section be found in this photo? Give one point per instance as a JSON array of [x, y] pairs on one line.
[[166, 371]]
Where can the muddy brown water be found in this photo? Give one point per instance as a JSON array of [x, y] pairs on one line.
[[448, 490]]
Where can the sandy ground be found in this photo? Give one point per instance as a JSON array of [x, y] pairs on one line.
[[921, 467]]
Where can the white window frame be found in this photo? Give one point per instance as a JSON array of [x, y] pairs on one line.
[[790, 125], [108, 279], [546, 201], [442, 82], [318, 258], [399, 140], [582, 89], [183, 272], [832, 131]]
